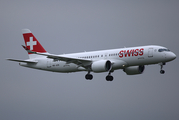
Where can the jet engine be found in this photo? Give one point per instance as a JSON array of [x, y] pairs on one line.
[[133, 70], [101, 66]]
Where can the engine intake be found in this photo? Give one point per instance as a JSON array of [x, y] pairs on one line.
[[101, 66], [133, 70]]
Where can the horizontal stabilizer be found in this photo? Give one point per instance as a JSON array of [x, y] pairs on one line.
[[25, 61]]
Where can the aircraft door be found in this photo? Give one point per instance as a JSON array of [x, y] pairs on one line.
[[150, 52]]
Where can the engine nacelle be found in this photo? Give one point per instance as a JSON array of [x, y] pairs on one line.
[[101, 66], [133, 70]]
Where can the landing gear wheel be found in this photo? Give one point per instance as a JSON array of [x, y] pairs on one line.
[[89, 76], [162, 71], [109, 78]]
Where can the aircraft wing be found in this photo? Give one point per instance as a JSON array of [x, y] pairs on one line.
[[25, 61], [67, 59], [78, 61]]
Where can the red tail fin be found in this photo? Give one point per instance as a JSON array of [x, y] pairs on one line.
[[31, 42]]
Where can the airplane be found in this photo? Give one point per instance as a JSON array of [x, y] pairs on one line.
[[131, 60]]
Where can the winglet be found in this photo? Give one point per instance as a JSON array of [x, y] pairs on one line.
[[29, 51], [25, 47]]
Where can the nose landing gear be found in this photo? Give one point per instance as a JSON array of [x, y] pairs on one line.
[[161, 69]]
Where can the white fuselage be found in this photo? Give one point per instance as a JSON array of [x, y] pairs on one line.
[[132, 60], [120, 58]]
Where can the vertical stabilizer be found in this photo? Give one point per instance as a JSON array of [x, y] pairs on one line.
[[32, 43]]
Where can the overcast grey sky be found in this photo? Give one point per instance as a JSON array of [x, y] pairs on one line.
[[79, 25]]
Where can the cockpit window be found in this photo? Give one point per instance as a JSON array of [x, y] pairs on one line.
[[163, 49]]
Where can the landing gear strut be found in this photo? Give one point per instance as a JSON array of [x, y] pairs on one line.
[[89, 76], [161, 69], [109, 77]]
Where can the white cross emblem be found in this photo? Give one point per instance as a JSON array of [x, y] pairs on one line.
[[31, 43]]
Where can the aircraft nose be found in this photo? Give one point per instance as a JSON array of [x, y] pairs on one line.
[[172, 56]]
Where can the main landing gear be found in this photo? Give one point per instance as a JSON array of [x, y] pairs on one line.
[[161, 68], [109, 77], [89, 76]]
